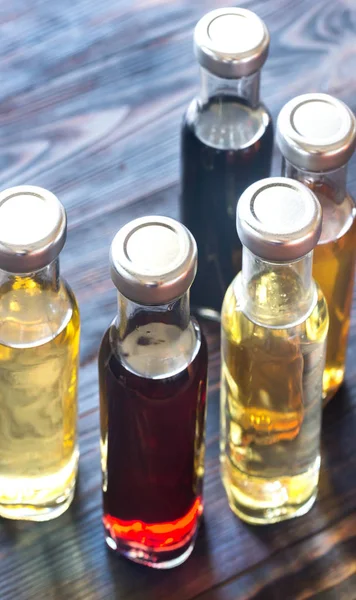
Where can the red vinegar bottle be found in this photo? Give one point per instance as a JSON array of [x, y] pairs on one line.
[[153, 372]]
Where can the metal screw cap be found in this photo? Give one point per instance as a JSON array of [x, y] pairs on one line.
[[153, 260], [231, 42], [33, 228], [279, 219], [316, 132]]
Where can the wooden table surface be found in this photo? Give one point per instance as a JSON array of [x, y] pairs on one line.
[[91, 99]]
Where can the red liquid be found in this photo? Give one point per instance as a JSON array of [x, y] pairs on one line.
[[152, 487], [156, 535]]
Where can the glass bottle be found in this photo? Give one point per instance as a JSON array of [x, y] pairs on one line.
[[152, 371], [274, 328], [226, 144], [317, 136], [39, 352]]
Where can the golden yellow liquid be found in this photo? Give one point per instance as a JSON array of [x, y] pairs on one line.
[[334, 267], [39, 350], [271, 389]]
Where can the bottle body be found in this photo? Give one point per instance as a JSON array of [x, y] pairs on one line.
[[334, 269], [39, 356], [153, 408], [334, 264], [271, 397], [226, 144]]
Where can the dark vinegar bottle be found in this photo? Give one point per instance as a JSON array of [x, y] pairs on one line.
[[153, 371], [226, 145]]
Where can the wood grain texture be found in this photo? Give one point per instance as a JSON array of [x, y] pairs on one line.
[[91, 99]]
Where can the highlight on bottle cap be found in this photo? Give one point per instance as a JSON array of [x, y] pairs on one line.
[[231, 42], [153, 260], [316, 132], [33, 228], [279, 219]]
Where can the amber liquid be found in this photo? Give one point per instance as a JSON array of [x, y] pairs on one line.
[[152, 443], [334, 268], [271, 387], [225, 147], [38, 400]]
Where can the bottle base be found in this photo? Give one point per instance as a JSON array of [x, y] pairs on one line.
[[23, 512], [165, 558], [45, 498], [272, 515], [161, 545], [262, 501]]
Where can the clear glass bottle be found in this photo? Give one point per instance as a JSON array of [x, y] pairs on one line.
[[39, 352], [316, 134], [274, 328], [152, 371], [226, 144]]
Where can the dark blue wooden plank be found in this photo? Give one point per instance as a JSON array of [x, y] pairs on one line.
[[91, 99]]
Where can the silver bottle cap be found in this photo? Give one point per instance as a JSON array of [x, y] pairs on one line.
[[279, 219], [231, 42], [316, 132], [153, 260], [33, 228]]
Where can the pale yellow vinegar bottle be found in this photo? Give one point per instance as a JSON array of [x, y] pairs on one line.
[[316, 134], [274, 325], [39, 355]]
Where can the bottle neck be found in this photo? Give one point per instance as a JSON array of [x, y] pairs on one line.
[[132, 315], [329, 183], [277, 294], [44, 279], [245, 88]]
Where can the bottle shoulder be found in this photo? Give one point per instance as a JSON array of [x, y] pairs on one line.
[[338, 218], [219, 104], [155, 350], [317, 323], [72, 305], [227, 123], [70, 296], [237, 322], [33, 314]]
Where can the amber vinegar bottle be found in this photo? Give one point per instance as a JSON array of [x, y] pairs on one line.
[[153, 369], [316, 134], [273, 340], [226, 144]]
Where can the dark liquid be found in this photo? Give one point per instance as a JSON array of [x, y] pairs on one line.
[[152, 488], [213, 178]]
